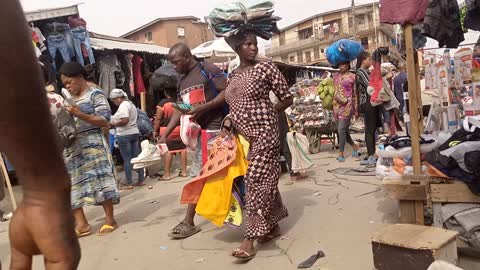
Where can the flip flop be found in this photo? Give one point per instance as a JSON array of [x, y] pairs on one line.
[[105, 227], [186, 230], [139, 184], [165, 179], [242, 255], [83, 234], [126, 187], [311, 261]]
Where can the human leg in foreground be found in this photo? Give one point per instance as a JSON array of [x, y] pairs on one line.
[[344, 137], [43, 222]]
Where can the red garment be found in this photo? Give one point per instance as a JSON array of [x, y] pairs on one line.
[[75, 21], [137, 74], [403, 11]]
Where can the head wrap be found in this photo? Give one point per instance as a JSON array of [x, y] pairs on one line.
[[118, 93]]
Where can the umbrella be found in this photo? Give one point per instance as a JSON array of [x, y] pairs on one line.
[[218, 47]]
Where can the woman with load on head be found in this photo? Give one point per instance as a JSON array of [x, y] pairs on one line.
[[256, 118]]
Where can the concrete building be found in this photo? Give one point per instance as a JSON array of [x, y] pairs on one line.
[[305, 42], [168, 31]]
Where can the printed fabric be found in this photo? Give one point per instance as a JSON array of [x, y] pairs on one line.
[[343, 108]]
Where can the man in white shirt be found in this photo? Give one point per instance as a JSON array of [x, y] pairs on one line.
[[128, 135]]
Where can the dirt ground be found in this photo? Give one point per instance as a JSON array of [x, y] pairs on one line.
[[335, 214]]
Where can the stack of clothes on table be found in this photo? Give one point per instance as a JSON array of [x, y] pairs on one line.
[[253, 15], [459, 156]]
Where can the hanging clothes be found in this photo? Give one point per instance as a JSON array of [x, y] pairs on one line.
[[108, 66], [137, 74], [81, 40], [472, 20], [130, 77], [442, 23], [402, 11]]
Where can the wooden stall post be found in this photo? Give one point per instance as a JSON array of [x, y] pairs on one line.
[[143, 101], [4, 171], [416, 124]]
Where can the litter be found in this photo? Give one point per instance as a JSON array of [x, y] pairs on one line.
[[311, 261], [200, 260], [154, 202], [163, 248], [286, 237], [150, 187], [318, 193]]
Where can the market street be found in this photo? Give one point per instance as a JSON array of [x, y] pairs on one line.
[[335, 215]]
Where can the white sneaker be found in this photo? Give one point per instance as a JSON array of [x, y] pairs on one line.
[[149, 153]]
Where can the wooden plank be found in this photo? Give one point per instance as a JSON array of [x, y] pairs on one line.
[[437, 215], [415, 236], [404, 190], [456, 192], [419, 213], [407, 212], [143, 101], [4, 171], [413, 100]]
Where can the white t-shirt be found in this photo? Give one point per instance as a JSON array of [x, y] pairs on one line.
[[126, 110]]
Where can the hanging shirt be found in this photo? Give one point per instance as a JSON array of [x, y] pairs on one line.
[[137, 74], [403, 11]]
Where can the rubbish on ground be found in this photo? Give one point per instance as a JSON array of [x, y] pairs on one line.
[[150, 187], [318, 193], [6, 217], [163, 248], [286, 237], [124, 232], [372, 222], [312, 260], [154, 202], [200, 260], [359, 171]]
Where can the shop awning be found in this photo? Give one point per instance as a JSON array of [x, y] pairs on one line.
[[41, 11], [103, 42]]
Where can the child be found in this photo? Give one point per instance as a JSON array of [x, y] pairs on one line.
[[174, 142]]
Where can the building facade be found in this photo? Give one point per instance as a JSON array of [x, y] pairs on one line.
[[168, 31], [305, 42]]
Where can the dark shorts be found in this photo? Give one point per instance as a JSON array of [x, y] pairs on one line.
[[175, 145]]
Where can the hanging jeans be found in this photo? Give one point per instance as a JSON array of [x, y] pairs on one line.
[[130, 148], [80, 36], [58, 42]]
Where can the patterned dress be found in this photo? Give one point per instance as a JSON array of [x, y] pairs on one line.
[[88, 160], [344, 86], [254, 116]]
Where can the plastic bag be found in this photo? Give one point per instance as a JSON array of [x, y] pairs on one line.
[[344, 50]]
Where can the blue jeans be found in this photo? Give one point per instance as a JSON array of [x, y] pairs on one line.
[[129, 148], [58, 42], [80, 36]]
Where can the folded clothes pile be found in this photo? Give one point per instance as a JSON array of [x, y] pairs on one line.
[[248, 15]]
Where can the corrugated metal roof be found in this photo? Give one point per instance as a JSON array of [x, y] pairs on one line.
[[104, 42], [34, 11]]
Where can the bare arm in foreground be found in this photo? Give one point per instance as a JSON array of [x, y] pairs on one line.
[[43, 223]]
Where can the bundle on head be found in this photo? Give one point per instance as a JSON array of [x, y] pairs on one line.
[[247, 17]]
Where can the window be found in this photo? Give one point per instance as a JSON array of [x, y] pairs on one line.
[[308, 56], [181, 31], [148, 36], [305, 33], [364, 41], [282, 38], [292, 59]]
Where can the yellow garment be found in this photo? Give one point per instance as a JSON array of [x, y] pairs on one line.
[[215, 200], [245, 144], [234, 216]]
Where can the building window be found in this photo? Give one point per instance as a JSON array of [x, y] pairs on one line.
[[305, 33], [292, 59], [308, 57], [364, 41], [282, 39], [148, 36], [181, 32]]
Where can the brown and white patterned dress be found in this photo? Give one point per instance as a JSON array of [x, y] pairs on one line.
[[254, 116]]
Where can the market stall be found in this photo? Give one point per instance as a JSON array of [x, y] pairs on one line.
[[60, 35], [311, 113], [434, 173]]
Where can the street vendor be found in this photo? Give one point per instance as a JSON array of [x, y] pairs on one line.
[[202, 87], [344, 108], [253, 115]]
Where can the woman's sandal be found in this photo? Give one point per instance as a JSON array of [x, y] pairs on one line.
[[242, 255]]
